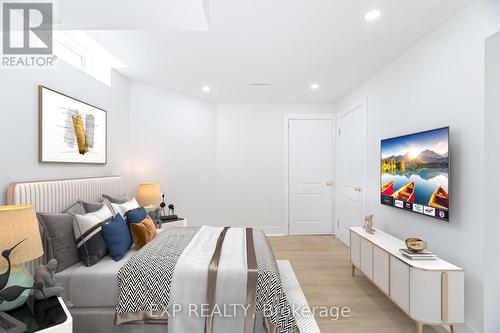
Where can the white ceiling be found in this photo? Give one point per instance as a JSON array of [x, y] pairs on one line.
[[158, 15], [288, 43]]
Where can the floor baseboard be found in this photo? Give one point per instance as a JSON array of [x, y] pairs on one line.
[[274, 231]]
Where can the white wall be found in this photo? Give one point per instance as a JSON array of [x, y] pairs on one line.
[[492, 161], [219, 164], [438, 82], [19, 123], [250, 162], [173, 141]]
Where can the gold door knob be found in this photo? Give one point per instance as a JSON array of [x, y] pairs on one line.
[[329, 183], [357, 189]]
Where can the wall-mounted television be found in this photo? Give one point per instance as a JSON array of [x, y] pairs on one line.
[[414, 172]]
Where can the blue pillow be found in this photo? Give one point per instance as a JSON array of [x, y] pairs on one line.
[[136, 215], [117, 236]]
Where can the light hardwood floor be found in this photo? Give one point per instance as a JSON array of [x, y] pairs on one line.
[[322, 266]]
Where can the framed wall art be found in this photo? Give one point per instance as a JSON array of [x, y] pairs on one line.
[[70, 131]]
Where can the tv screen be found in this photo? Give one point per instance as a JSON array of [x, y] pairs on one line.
[[415, 172]]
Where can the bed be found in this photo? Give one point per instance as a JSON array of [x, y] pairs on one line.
[[182, 266]]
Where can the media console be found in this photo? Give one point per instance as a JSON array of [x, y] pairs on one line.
[[431, 292]]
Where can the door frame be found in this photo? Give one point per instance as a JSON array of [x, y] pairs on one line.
[[363, 104], [305, 116]]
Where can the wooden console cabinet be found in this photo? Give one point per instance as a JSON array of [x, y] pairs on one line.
[[431, 292]]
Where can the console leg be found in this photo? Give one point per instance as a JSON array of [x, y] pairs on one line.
[[452, 328], [420, 327], [353, 270]]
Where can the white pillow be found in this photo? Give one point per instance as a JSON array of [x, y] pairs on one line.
[[124, 207], [82, 223]]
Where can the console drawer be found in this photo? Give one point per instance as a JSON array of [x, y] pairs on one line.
[[367, 258], [355, 250], [400, 283], [381, 269]]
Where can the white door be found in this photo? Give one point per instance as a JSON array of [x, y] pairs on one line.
[[350, 171], [310, 176]]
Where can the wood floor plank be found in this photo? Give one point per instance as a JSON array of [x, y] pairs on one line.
[[322, 266]]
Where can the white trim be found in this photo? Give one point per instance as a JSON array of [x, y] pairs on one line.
[[363, 104], [274, 231], [463, 328], [305, 116]]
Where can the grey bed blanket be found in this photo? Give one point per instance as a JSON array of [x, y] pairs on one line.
[[145, 281]]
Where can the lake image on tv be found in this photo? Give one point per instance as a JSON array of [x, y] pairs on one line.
[[414, 168]]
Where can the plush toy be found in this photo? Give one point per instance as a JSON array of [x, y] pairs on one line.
[[45, 280]]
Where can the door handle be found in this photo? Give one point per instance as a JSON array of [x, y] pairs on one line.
[[329, 183], [357, 189]]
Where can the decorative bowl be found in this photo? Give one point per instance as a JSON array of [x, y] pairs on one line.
[[416, 244]]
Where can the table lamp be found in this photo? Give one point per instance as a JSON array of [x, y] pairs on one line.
[[20, 242], [149, 195]]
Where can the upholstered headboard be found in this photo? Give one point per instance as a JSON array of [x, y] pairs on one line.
[[54, 196]]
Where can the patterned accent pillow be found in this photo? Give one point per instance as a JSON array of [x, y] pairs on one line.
[[142, 227], [88, 235]]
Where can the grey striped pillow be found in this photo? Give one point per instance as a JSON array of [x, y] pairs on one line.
[[88, 235]]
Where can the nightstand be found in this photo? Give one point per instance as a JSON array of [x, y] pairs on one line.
[[180, 222], [51, 316]]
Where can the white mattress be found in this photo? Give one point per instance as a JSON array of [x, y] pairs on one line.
[[95, 286]]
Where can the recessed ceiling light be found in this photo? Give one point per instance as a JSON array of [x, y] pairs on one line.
[[206, 88], [373, 14], [314, 86]]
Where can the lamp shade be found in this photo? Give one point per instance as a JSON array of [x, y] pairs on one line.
[[19, 224], [149, 194]]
